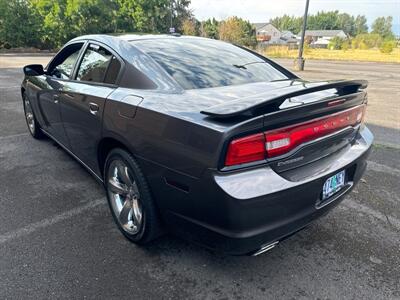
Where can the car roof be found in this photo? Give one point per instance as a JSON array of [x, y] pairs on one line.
[[121, 43], [129, 37]]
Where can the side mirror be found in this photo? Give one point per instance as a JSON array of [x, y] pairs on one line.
[[33, 70]]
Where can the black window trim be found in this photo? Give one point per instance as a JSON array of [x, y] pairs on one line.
[[80, 58], [83, 42], [86, 43]]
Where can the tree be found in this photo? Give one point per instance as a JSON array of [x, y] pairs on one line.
[[237, 31], [346, 23], [383, 27], [189, 27], [360, 25], [286, 22], [209, 28], [323, 20], [18, 27], [50, 23]]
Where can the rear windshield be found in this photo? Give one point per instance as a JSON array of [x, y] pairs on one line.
[[202, 63]]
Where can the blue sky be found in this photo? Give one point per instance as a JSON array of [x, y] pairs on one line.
[[263, 10]]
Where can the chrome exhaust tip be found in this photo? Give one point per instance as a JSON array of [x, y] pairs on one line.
[[265, 248]]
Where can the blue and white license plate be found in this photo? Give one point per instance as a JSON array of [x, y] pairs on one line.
[[333, 184]]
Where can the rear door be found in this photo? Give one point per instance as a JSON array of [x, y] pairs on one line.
[[83, 100]]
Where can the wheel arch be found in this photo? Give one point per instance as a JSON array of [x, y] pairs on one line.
[[104, 147]]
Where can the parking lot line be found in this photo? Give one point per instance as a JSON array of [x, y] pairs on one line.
[[377, 167], [13, 135], [358, 207], [30, 228], [9, 87]]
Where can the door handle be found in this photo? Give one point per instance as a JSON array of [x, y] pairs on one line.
[[93, 108], [56, 98]]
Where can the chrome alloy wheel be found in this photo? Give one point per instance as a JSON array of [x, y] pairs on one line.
[[124, 197], [30, 120]]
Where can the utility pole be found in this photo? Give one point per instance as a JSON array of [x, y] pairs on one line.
[[171, 28], [299, 62]]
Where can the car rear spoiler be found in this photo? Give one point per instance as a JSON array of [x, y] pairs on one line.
[[246, 106]]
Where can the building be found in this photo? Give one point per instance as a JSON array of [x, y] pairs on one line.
[[267, 33], [289, 38], [321, 38]]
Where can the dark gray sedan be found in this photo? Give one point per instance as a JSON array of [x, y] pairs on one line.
[[211, 141]]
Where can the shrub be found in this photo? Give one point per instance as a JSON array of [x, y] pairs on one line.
[[388, 46], [337, 43], [366, 41]]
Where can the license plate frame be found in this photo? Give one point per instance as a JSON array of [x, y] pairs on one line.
[[333, 185]]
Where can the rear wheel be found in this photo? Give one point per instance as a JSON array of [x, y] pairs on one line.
[[129, 198], [33, 125]]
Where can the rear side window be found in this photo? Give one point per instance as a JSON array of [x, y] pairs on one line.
[[98, 65]]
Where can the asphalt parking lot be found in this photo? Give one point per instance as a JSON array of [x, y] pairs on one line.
[[58, 240]]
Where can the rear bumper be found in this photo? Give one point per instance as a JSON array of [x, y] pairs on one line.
[[241, 212]]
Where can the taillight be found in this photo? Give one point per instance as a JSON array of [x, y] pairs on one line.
[[244, 150], [280, 141], [283, 140]]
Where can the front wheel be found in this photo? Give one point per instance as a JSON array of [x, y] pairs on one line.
[[129, 198], [33, 125]]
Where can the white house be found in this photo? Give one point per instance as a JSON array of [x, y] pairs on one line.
[[321, 38], [268, 33]]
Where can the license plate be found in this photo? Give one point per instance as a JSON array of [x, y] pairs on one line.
[[333, 184]]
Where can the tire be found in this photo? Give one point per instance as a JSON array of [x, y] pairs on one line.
[[124, 181], [31, 122]]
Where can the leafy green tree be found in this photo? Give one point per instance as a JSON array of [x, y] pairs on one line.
[[237, 31], [383, 27], [286, 22], [346, 23], [209, 28], [323, 20], [360, 25], [50, 23], [18, 27]]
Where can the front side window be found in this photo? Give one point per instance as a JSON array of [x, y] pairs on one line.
[[98, 65], [203, 63], [63, 64]]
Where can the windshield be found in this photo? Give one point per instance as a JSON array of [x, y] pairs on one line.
[[205, 63]]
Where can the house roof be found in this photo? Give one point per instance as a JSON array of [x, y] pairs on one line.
[[327, 33], [259, 25]]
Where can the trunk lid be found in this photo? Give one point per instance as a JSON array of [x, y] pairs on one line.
[[290, 104]]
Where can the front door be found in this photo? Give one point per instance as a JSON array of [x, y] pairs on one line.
[[58, 73], [83, 101]]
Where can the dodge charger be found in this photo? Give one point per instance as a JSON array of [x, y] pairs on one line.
[[208, 140]]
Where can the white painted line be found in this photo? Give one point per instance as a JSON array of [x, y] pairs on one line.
[[13, 135], [9, 87], [377, 167], [49, 221], [350, 203]]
